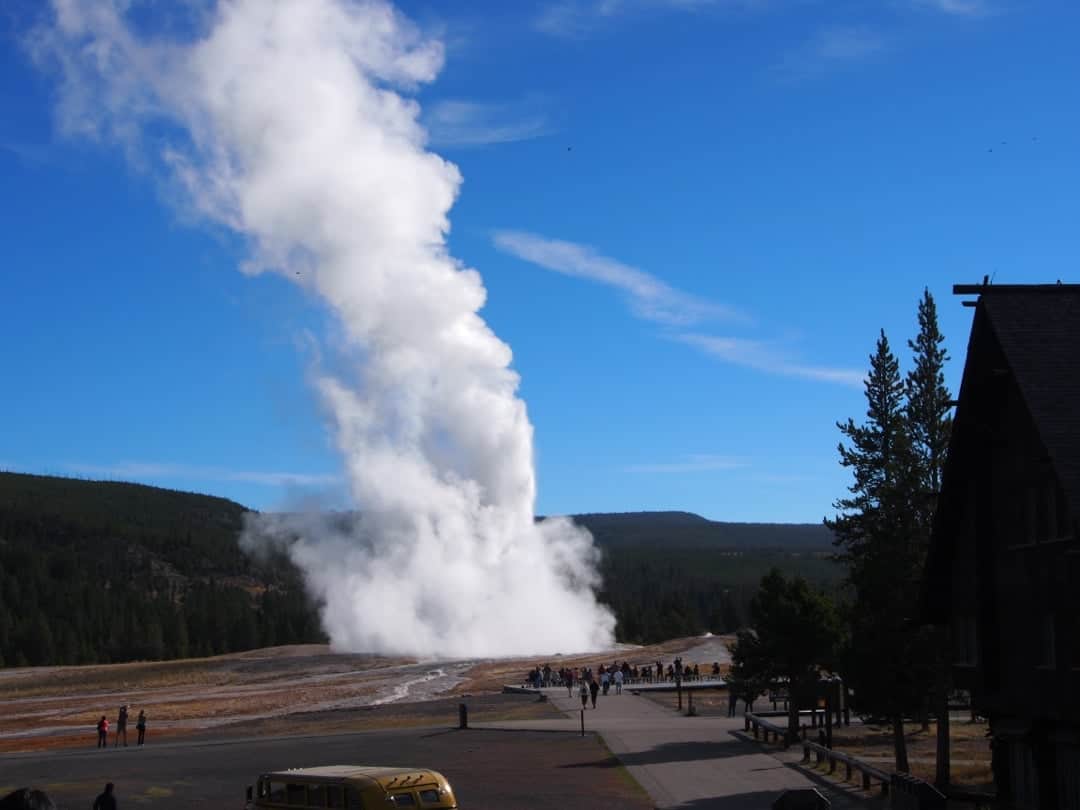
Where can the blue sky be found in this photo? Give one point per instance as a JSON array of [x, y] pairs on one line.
[[691, 218]]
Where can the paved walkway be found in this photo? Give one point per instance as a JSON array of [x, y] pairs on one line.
[[690, 763]]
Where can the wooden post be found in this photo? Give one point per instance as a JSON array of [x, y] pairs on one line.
[[582, 722], [942, 773], [828, 722]]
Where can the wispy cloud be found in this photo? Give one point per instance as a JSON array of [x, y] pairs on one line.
[[577, 18], [468, 123], [764, 356], [828, 49], [163, 470], [649, 297], [690, 464], [960, 8]]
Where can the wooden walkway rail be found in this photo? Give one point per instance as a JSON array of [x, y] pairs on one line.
[[763, 729]]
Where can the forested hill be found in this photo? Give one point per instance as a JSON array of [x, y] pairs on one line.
[[100, 571], [685, 530], [97, 571]]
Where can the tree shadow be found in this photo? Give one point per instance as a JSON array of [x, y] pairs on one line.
[[739, 801], [671, 752]]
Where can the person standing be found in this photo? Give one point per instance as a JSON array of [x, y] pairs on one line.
[[594, 688], [103, 732], [140, 725], [618, 681], [584, 692], [105, 800], [121, 726]]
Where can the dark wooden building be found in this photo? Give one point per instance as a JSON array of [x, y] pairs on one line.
[[1003, 570]]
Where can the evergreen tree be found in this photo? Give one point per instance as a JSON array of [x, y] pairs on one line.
[[796, 632], [927, 410], [875, 527], [930, 426]]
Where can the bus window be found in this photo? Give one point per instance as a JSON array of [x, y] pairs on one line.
[[429, 796], [334, 796], [316, 796], [403, 799], [296, 794], [276, 792], [353, 801]]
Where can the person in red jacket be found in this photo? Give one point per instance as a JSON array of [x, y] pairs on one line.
[[103, 732]]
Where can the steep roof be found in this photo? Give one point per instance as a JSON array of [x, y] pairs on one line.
[[1038, 328]]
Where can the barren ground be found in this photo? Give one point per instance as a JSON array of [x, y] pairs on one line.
[[300, 689]]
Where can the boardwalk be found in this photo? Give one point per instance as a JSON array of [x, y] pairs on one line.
[[690, 763]]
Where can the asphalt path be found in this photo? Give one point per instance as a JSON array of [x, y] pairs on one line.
[[487, 768], [690, 763]]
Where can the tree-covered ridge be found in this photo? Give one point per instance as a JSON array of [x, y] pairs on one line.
[[94, 571], [685, 530], [102, 571]]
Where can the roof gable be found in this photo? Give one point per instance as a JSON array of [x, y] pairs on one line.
[[1038, 329]]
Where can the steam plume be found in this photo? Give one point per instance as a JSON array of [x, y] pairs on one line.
[[288, 123]]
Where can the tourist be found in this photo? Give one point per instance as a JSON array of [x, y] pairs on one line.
[[106, 800], [121, 726], [103, 732], [140, 726]]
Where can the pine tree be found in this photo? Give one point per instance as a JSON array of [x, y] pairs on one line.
[[874, 527], [930, 426], [927, 410], [872, 523]]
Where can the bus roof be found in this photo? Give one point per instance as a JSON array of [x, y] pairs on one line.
[[384, 776]]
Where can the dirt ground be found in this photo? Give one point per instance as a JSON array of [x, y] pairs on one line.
[[280, 690], [216, 723]]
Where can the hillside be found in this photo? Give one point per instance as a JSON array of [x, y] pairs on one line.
[[97, 571], [101, 571], [685, 530]]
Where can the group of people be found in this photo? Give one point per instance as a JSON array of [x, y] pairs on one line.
[[121, 728], [590, 684], [616, 674]]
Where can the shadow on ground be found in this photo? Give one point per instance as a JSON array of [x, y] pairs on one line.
[[671, 752], [741, 801]]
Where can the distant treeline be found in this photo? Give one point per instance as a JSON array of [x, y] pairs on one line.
[[671, 574], [98, 572]]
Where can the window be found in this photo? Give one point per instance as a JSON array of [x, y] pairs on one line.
[[1031, 514], [1047, 642], [1025, 783], [1074, 641], [965, 641], [335, 796], [403, 799], [429, 796], [316, 795], [1068, 770], [353, 800], [276, 792], [1061, 513], [296, 794]]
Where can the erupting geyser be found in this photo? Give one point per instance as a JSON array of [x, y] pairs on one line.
[[287, 123]]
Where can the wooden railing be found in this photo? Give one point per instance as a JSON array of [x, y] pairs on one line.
[[760, 725], [867, 772], [763, 728]]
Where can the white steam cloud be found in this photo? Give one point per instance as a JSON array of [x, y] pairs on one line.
[[288, 123]]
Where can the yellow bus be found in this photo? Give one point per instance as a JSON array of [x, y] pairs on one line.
[[351, 787]]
